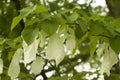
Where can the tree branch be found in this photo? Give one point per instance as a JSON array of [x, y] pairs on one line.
[[111, 12]]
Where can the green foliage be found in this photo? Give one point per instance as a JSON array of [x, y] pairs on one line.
[[59, 36]]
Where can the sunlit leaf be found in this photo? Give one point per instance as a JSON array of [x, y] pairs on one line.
[[32, 21], [1, 66], [30, 51], [26, 11], [15, 21], [14, 68], [95, 17], [39, 8], [55, 49], [23, 13], [37, 65]]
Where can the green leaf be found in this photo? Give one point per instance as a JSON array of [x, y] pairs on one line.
[[79, 76], [97, 29], [73, 17], [95, 17], [93, 45], [83, 38], [15, 21], [29, 33], [109, 59], [39, 9], [59, 78], [115, 44], [60, 19], [44, 15], [50, 26], [32, 21], [26, 11], [55, 49], [30, 51], [1, 66], [116, 24], [79, 41], [37, 65], [83, 26], [23, 13], [78, 32], [14, 68]]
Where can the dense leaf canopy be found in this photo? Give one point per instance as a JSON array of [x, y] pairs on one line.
[[59, 40]]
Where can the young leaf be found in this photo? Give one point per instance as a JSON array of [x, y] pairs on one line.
[[14, 68], [55, 49], [15, 21], [1, 66], [23, 13], [95, 17], [39, 8], [37, 65], [73, 17], [109, 59], [30, 51]]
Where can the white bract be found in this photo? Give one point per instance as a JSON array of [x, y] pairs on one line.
[[70, 40], [14, 68], [37, 65], [30, 51], [109, 58], [1, 66], [55, 49]]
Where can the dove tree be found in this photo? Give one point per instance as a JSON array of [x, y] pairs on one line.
[[59, 40]]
